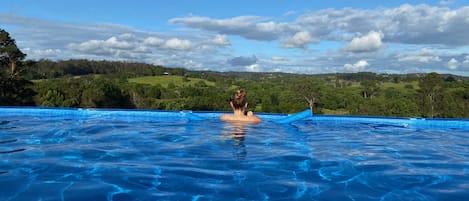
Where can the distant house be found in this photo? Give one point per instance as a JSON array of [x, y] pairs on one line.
[[165, 73]]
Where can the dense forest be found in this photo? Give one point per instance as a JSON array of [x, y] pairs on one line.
[[108, 84]]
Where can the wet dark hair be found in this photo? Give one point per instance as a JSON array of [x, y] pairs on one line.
[[239, 99]]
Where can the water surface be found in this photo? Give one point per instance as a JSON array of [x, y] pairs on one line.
[[70, 157]]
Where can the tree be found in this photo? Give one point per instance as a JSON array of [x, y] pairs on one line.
[[9, 52], [112, 94], [399, 102], [370, 88], [14, 90], [310, 90], [52, 98], [430, 92]]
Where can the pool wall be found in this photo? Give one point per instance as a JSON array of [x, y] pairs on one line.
[[166, 115]]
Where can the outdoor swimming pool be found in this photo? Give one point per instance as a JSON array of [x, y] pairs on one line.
[[77, 154]]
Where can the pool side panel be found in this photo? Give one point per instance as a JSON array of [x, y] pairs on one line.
[[165, 115]]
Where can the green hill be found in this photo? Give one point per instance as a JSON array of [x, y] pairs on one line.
[[165, 80]]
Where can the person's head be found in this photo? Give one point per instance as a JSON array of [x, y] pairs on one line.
[[239, 100]]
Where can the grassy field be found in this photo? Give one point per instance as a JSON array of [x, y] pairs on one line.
[[167, 79], [400, 85], [384, 85]]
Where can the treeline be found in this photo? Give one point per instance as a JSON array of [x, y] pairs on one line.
[[47, 69], [116, 92]]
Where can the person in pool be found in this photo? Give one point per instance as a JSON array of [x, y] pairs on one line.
[[239, 103]]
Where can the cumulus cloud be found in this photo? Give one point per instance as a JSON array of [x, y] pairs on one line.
[[299, 40], [406, 24], [178, 44], [243, 61], [91, 47], [221, 40], [453, 64], [44, 34], [367, 43], [267, 26], [42, 53], [250, 27], [425, 55], [356, 67], [466, 61], [127, 37], [102, 47], [253, 68], [177, 60], [113, 42], [153, 41]]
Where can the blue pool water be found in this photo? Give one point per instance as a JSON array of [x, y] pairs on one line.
[[73, 154]]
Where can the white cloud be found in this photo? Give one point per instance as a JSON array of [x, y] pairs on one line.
[[299, 40], [425, 55], [153, 41], [178, 44], [367, 43], [113, 42], [127, 37], [406, 24], [267, 26], [453, 64], [250, 27], [446, 2], [254, 68], [221, 40], [356, 67], [420, 58], [186, 44], [102, 46], [179, 61], [91, 47], [465, 63], [279, 59], [288, 13], [466, 59], [46, 53]]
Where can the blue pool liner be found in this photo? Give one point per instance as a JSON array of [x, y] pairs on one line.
[[168, 115]]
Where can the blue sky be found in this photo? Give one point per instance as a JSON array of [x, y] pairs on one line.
[[301, 36]]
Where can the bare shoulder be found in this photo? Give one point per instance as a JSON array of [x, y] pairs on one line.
[[229, 117], [255, 118], [226, 117]]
